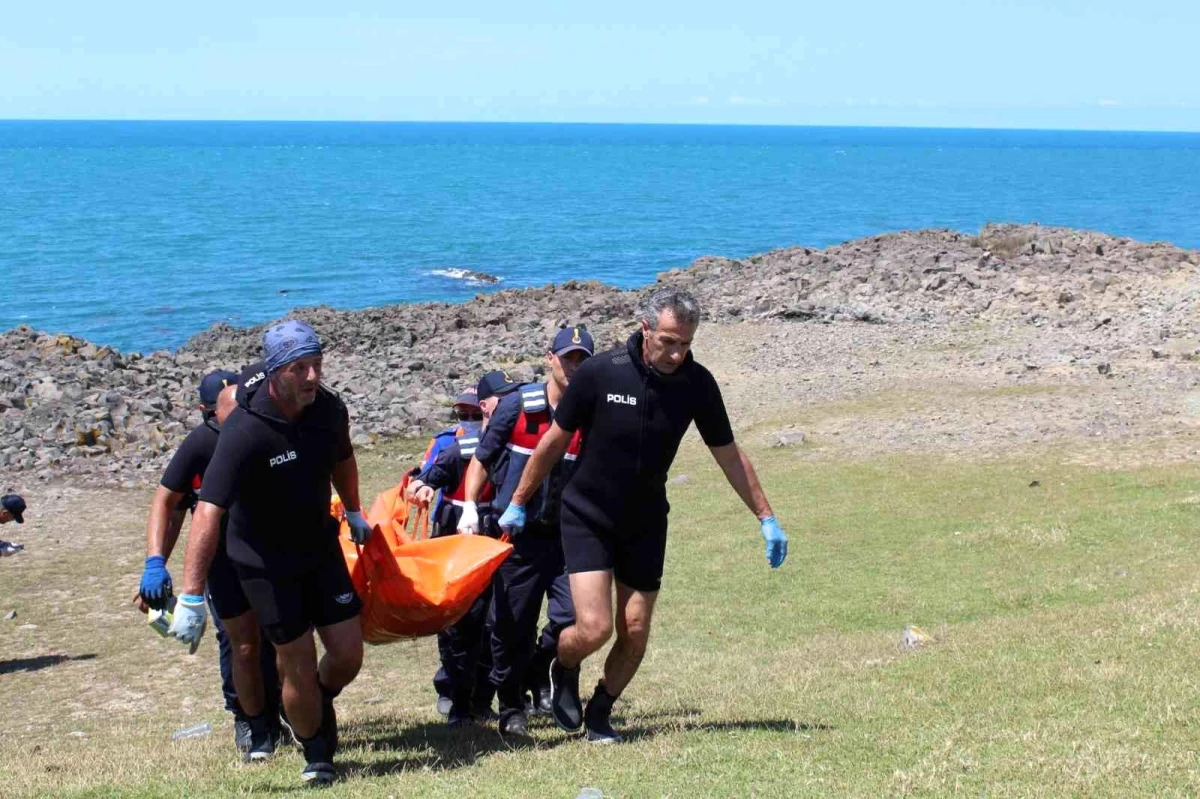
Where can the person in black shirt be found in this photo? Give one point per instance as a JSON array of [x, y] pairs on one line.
[[175, 496], [633, 404], [278, 451]]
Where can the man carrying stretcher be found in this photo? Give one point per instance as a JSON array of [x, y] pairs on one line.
[[277, 453]]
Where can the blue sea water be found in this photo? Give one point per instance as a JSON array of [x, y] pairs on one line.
[[140, 234]]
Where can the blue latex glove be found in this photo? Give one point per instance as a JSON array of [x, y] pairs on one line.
[[189, 620], [513, 519], [360, 528], [776, 542], [156, 582]]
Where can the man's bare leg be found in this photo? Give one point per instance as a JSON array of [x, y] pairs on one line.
[[591, 592], [634, 611]]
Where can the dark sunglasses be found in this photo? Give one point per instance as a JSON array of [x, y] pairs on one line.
[[469, 416]]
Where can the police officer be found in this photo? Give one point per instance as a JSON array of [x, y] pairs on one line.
[[465, 647], [287, 439], [12, 509], [535, 566], [177, 494], [469, 417], [632, 404]]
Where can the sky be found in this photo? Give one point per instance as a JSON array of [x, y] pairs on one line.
[[1083, 64]]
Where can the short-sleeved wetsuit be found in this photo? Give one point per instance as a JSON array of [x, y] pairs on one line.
[[273, 477], [614, 508]]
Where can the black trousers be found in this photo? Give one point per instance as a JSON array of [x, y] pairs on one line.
[[465, 647], [533, 570]]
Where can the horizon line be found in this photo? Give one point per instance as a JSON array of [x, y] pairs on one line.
[[584, 123]]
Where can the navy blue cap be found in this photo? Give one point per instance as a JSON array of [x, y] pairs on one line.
[[14, 504], [495, 384], [468, 396], [212, 384], [572, 338]]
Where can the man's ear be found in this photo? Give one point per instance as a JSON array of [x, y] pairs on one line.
[[645, 327]]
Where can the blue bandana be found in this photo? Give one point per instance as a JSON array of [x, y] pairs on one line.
[[288, 341]]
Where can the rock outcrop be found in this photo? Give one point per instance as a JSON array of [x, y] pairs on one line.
[[70, 407]]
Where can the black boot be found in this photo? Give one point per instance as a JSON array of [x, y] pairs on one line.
[[539, 681], [596, 717], [565, 704], [318, 760], [329, 719], [262, 739]]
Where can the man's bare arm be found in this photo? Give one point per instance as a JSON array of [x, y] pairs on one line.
[[474, 480], [201, 547], [345, 480], [739, 471], [165, 522]]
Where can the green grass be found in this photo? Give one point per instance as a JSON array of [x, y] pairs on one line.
[[1066, 620]]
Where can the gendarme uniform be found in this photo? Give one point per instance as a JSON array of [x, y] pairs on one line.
[[535, 566], [464, 647]]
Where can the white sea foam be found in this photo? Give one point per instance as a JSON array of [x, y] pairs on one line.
[[465, 275]]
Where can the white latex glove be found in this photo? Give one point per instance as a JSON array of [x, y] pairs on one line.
[[360, 528], [189, 620], [468, 523]]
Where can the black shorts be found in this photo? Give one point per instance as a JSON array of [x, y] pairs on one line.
[[224, 588], [288, 606], [635, 553]]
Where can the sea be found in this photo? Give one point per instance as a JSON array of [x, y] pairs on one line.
[[141, 234]]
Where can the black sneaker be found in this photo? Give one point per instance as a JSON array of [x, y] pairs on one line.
[[564, 700], [444, 704], [262, 740], [599, 727], [318, 761], [514, 724], [242, 734], [319, 773], [459, 717]]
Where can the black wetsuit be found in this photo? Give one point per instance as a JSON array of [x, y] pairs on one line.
[[185, 475], [273, 477], [614, 508]]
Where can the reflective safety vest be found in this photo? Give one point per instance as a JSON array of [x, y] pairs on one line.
[[532, 423], [468, 442]]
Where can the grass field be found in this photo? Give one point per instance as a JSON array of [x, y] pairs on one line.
[[1065, 618]]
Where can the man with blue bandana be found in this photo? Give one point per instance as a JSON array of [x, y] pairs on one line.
[[280, 448]]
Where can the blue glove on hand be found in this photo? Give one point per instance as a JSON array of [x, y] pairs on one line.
[[513, 519], [156, 582], [776, 542], [360, 528], [189, 620]]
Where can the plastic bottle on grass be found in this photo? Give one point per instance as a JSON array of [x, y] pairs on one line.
[[590, 793], [195, 731]]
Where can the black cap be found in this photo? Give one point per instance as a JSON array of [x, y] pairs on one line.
[[14, 504], [573, 338], [212, 385], [495, 384]]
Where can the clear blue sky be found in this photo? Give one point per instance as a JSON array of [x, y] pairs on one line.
[[1115, 64]]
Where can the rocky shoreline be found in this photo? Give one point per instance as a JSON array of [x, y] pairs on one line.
[[73, 409]]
